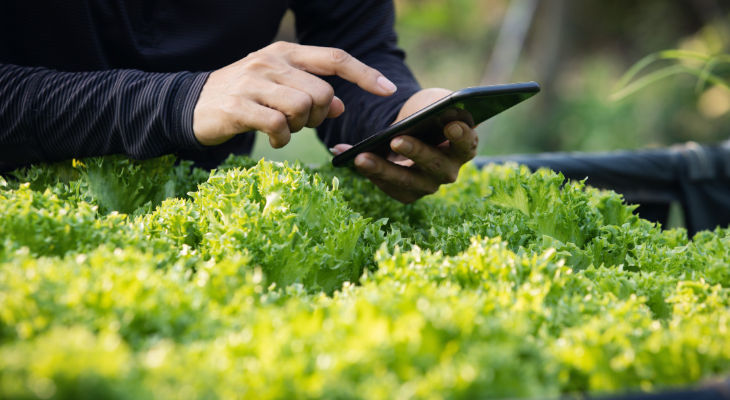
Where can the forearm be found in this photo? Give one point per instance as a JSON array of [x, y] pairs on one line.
[[47, 115]]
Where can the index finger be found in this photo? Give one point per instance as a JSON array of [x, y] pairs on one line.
[[332, 61]]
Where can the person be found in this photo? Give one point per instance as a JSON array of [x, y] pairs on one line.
[[101, 77]]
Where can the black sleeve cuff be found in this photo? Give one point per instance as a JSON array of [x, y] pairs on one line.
[[181, 131]]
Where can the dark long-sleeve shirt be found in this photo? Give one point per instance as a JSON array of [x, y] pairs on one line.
[[96, 77]]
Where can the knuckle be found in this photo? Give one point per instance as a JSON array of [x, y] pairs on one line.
[[279, 46], [451, 176], [328, 92], [316, 116], [323, 95], [339, 56], [277, 123], [472, 154], [436, 165], [296, 124], [313, 122], [302, 103], [260, 61]]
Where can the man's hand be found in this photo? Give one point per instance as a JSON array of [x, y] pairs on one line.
[[275, 91], [416, 169]]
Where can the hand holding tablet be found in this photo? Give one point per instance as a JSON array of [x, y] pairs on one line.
[[471, 105]]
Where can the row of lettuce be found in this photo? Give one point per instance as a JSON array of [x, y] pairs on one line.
[[128, 279]]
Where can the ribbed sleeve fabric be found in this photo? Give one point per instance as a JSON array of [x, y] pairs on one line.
[[48, 115], [365, 29]]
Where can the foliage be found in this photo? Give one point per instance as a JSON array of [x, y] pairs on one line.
[[705, 70], [270, 280]]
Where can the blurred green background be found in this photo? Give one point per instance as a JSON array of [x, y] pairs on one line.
[[577, 50]]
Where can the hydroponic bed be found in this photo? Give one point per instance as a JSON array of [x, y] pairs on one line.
[[124, 279]]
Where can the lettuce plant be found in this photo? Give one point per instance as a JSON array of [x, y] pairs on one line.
[[147, 279]]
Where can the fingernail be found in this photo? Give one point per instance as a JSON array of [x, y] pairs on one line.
[[335, 151], [402, 145], [455, 131], [365, 163], [386, 84]]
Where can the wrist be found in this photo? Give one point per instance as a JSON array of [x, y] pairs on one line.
[[421, 99], [186, 103]]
